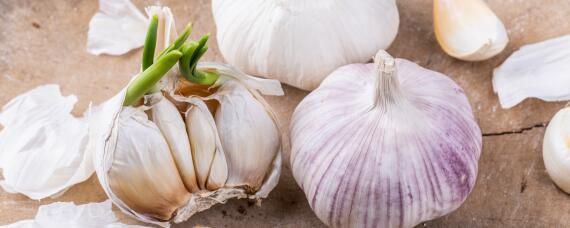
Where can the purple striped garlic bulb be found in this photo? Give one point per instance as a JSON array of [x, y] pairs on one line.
[[388, 144]]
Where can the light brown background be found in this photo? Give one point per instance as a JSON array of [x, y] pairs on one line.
[[44, 42]]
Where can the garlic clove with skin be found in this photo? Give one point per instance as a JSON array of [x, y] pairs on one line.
[[166, 116], [143, 173], [468, 29], [248, 134], [389, 144], [203, 136], [556, 149]]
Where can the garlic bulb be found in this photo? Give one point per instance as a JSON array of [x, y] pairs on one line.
[[468, 29], [388, 144], [556, 149], [201, 136], [301, 42], [224, 150]]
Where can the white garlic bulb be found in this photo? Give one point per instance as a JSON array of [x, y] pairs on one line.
[[468, 29], [389, 144], [301, 42], [556, 149], [159, 167], [189, 146]]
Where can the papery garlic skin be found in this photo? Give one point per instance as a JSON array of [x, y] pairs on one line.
[[537, 70], [143, 173], [67, 214], [249, 136], [170, 122], [556, 149], [106, 37], [301, 42], [468, 29], [373, 147], [44, 149]]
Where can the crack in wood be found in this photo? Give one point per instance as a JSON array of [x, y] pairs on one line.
[[516, 131]]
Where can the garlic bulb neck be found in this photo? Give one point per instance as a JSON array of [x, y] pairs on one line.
[[388, 87]]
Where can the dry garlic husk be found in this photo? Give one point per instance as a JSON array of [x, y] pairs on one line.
[[535, 70], [468, 29], [106, 37], [67, 214], [44, 149], [556, 149], [301, 42], [388, 144], [160, 167]]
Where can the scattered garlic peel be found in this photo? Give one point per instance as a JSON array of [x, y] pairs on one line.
[[537, 70], [43, 148], [116, 28], [67, 214]]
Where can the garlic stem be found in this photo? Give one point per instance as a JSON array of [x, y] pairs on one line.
[[193, 51], [146, 81], [179, 41], [148, 78], [150, 43], [388, 86]]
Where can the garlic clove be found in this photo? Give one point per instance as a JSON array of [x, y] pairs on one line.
[[556, 149], [468, 29], [167, 118], [535, 70], [143, 173], [218, 172], [203, 136], [248, 134]]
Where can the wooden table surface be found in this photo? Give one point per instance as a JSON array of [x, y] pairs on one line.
[[44, 42]]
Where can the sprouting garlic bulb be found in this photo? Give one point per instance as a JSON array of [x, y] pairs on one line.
[[161, 164], [389, 144], [556, 149], [468, 29], [300, 42]]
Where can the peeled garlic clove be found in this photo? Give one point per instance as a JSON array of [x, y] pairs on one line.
[[556, 149], [143, 173], [389, 144], [248, 134], [320, 36], [468, 29], [169, 121], [203, 137], [535, 70]]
